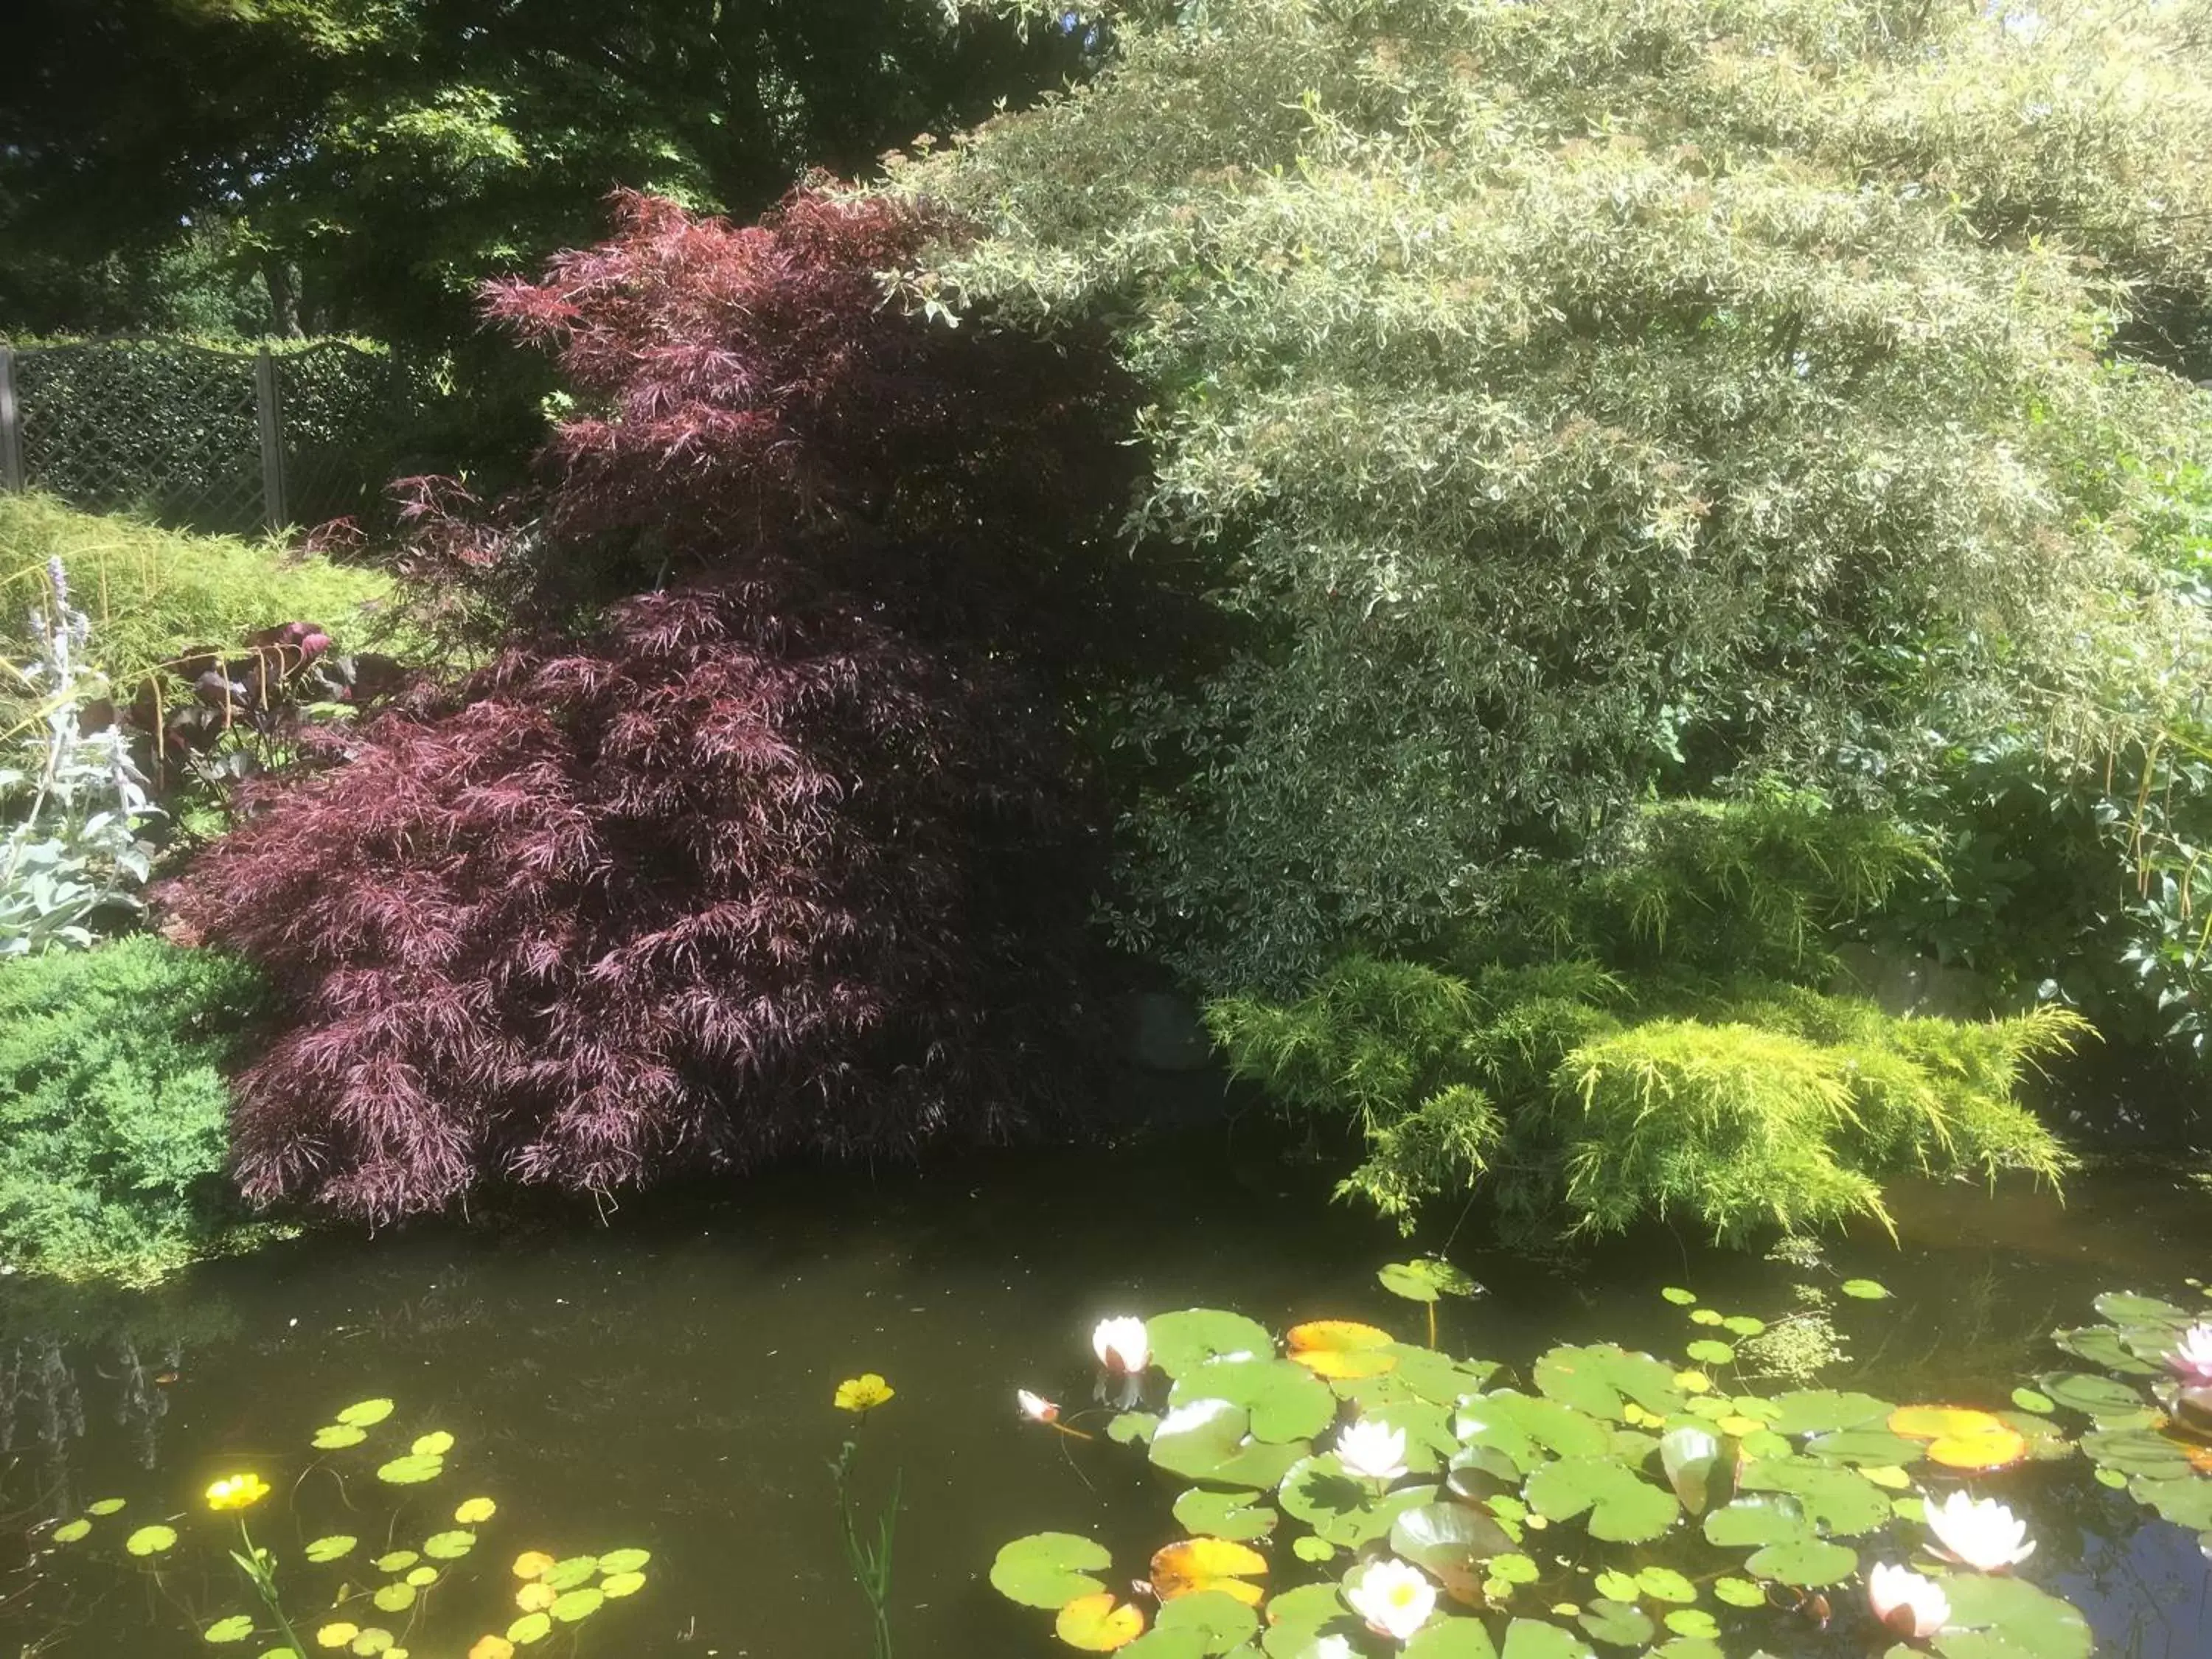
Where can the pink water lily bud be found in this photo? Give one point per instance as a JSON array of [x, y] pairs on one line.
[[1979, 1533], [1911, 1605], [2192, 1358], [1037, 1408], [1122, 1346]]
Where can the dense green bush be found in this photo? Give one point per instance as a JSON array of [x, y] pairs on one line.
[[113, 1107]]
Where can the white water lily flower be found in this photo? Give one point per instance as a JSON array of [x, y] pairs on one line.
[[1372, 1451], [1394, 1599], [1037, 1408], [1979, 1533], [1122, 1346], [2191, 1359], [1911, 1605]]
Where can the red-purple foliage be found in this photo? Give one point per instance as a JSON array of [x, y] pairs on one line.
[[786, 856]]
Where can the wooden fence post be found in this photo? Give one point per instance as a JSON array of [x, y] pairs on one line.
[[272, 439], [11, 428]]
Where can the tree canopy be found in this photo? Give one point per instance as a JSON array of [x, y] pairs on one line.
[[1603, 395]]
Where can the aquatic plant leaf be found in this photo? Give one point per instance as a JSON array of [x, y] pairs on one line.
[[2126, 1307], [367, 1414], [474, 1511], [1206, 1441], [1839, 1502], [1132, 1428], [69, 1531], [1739, 1592], [1941, 1422], [396, 1561], [337, 1436], [1743, 1325], [1762, 1518], [394, 1598], [1525, 1427], [615, 1585], [624, 1560], [2101, 1344], [1184, 1340], [1623, 1507], [566, 1575], [1692, 1621], [1284, 1402], [448, 1545], [2109, 1404], [1707, 1351], [1450, 1542], [1614, 1585], [1531, 1639], [1447, 1638], [422, 1577], [1426, 1280], [576, 1604], [1094, 1624], [1224, 1515], [1346, 1512], [1208, 1564], [2135, 1451], [1665, 1584], [1821, 1411], [1690, 1456], [1157, 1644], [1596, 1380], [1863, 1447], [1308, 1548], [1049, 1570], [1617, 1624], [2001, 1617], [236, 1628], [331, 1547], [1219, 1621], [531, 1627], [1678, 1297], [337, 1634], [1340, 1347], [2028, 1399], [1436, 1377], [492, 1647], [1864, 1290], [1807, 1563], [536, 1596], [151, 1540], [1707, 1316], [1515, 1569], [1300, 1621], [411, 1470], [2186, 1503], [1427, 1429], [436, 1443], [372, 1639], [105, 1506], [1997, 1448]]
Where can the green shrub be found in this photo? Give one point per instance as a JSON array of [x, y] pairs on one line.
[[113, 1108], [152, 593]]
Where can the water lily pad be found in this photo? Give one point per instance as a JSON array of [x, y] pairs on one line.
[[371, 1639], [1864, 1290], [337, 1634], [2102, 1346], [367, 1413], [69, 1531], [1739, 1592], [1808, 1563], [1219, 1622], [1623, 1508], [1437, 1378], [1208, 1440], [1427, 1429], [1198, 1564], [1132, 1428], [1690, 1456], [1183, 1341], [473, 1511], [1450, 1542], [531, 1627], [2135, 1451], [394, 1598], [1307, 1547], [1094, 1624], [1049, 1570], [1224, 1515], [1340, 1347], [337, 1436], [448, 1545], [1284, 1402], [617, 1585], [1999, 1617], [236, 1628], [105, 1506], [1157, 1644], [1821, 1411], [411, 1470], [1665, 1584], [1619, 1624], [1597, 1379], [576, 1604], [396, 1561], [1706, 1352], [2126, 1307], [1760, 1519], [1527, 1428], [1344, 1511], [1531, 1639], [1426, 1280], [1743, 1325], [2187, 1503], [2109, 1404], [151, 1540], [331, 1547], [422, 1577], [1300, 1621], [1678, 1297], [1863, 1447], [1446, 1638], [1839, 1502], [436, 1443]]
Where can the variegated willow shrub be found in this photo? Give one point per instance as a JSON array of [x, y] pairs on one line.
[[1640, 1034], [1348, 1494], [1587, 399], [424, 1577]]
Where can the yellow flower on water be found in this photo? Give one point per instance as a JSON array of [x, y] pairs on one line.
[[863, 1393], [235, 1491]]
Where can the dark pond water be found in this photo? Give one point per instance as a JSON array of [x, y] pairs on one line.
[[666, 1382]]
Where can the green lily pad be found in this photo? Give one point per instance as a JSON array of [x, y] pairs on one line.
[[1665, 1584], [1427, 1429], [422, 1577], [1617, 1624], [624, 1560], [1346, 1512], [1526, 1429], [1743, 1325], [616, 1585], [394, 1598], [1426, 1280], [1681, 1298], [1761, 1519], [1224, 1515], [1207, 1440], [1864, 1290], [1449, 1638], [1596, 1381], [2102, 1345], [331, 1547], [1839, 1502], [1739, 1592], [372, 1639], [1864, 1448], [1284, 1402], [1823, 1411], [236, 1628], [567, 1574], [2135, 1451], [531, 1627], [2187, 1503], [1690, 1456], [1808, 1563], [1515, 1569], [2028, 1399], [1531, 1639], [1437, 1378], [1706, 1352], [105, 1506], [1693, 1621], [367, 1414], [151, 1540], [448, 1545], [337, 1436], [1157, 1644], [411, 1470], [2001, 1617], [1450, 1542], [1218, 1621], [69, 1531], [1623, 1507], [1185, 1340], [396, 1561], [1307, 1547], [1048, 1570], [436, 1443], [577, 1604], [2126, 1307], [1132, 1428], [1300, 1621], [2109, 1404]]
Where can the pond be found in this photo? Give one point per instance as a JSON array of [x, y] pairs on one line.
[[666, 1382]]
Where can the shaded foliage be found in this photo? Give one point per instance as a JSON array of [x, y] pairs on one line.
[[789, 854]]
